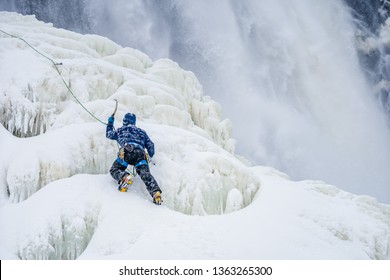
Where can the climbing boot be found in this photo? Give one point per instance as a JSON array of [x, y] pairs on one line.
[[127, 180], [157, 198]]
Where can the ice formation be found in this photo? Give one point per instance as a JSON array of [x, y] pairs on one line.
[[58, 201], [36, 103]]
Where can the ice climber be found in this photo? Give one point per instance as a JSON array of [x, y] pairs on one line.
[[133, 141]]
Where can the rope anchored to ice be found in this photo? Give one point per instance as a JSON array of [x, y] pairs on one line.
[[56, 64]]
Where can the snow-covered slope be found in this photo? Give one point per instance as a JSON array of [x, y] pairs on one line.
[[59, 202]]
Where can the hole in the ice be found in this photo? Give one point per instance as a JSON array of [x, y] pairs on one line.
[[24, 115], [212, 202], [215, 193], [64, 239]]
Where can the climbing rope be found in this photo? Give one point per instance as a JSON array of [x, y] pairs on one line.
[[59, 73], [133, 172]]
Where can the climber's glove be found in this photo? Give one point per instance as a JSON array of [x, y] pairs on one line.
[[111, 120]]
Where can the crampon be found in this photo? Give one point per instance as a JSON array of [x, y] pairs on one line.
[[125, 183], [157, 198]]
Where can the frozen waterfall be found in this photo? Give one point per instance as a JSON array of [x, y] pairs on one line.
[[287, 74]]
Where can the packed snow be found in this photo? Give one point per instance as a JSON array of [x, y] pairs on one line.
[[58, 201]]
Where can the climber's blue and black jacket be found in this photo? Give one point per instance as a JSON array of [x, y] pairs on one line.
[[130, 134]]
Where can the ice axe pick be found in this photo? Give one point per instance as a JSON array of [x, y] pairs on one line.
[[116, 107]]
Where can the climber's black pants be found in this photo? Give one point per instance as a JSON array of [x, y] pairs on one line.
[[134, 155]]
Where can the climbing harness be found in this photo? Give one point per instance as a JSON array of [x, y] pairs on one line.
[[142, 162], [121, 160]]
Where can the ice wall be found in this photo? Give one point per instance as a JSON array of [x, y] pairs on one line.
[[287, 73], [51, 209], [57, 138]]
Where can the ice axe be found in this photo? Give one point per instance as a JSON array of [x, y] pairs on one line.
[[116, 107]]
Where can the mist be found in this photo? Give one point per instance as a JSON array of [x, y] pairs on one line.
[[287, 74]]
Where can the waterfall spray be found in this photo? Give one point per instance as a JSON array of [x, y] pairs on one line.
[[287, 73]]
